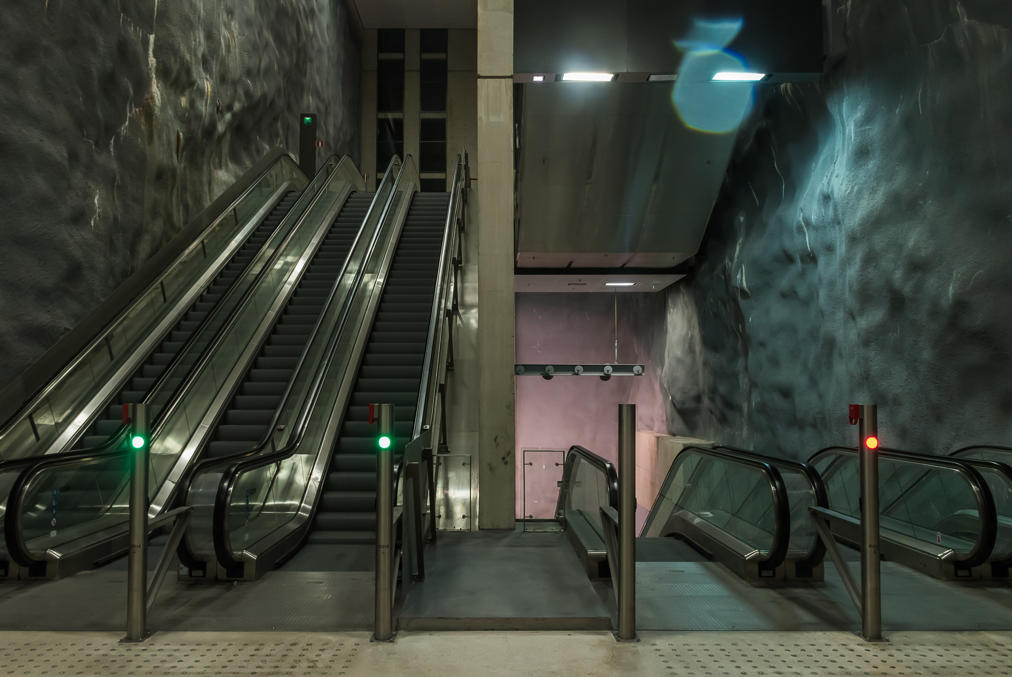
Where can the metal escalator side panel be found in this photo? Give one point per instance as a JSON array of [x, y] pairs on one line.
[[41, 427]]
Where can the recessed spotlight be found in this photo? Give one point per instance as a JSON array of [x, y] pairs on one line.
[[588, 77], [661, 77], [538, 78], [619, 284], [734, 76]]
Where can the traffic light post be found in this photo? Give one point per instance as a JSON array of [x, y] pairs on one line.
[[137, 563]]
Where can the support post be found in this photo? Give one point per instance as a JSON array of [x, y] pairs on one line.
[[871, 573], [137, 563], [383, 621], [627, 522]]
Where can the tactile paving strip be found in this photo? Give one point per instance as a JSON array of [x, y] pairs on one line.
[[817, 653], [178, 654]]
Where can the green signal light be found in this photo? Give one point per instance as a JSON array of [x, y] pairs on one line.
[[137, 442], [307, 120], [384, 441]]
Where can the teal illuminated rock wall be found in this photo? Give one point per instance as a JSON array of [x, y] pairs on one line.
[[861, 249]]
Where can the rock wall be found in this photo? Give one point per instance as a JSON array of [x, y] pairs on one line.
[[123, 117], [860, 249]]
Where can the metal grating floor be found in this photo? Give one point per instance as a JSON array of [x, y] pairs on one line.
[[593, 654]]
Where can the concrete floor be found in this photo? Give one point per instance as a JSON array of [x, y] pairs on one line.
[[589, 654]]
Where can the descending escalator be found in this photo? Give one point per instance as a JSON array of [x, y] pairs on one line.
[[246, 420], [147, 375], [390, 373]]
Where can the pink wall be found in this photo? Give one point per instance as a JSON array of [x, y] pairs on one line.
[[580, 328]]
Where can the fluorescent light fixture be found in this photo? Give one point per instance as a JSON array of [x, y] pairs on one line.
[[588, 77], [661, 77], [538, 78], [733, 76], [619, 284]]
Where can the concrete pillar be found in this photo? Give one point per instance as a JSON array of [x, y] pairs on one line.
[[368, 85], [412, 92], [494, 173]]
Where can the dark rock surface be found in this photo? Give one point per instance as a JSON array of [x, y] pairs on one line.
[[860, 248], [120, 118]]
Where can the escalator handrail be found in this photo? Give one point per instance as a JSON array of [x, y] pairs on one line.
[[602, 465], [306, 198], [115, 438], [270, 161], [268, 436], [113, 448], [986, 511], [244, 462], [439, 299], [962, 450], [778, 491], [818, 551]]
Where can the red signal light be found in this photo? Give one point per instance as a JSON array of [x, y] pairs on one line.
[[871, 442]]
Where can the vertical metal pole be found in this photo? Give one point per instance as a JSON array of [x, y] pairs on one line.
[[627, 522], [383, 621], [137, 564], [871, 581]]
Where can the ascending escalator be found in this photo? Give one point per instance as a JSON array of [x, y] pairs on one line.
[[246, 421], [196, 319], [390, 373]]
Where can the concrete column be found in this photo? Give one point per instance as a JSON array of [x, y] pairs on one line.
[[368, 120], [412, 92], [494, 172]]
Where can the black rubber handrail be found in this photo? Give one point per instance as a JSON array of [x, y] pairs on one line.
[[1000, 468], [973, 447], [779, 548], [112, 448], [986, 511], [243, 462], [818, 551], [605, 467]]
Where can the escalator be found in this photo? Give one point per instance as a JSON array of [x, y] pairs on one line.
[[384, 336], [390, 373], [198, 319], [246, 421], [754, 513], [68, 511]]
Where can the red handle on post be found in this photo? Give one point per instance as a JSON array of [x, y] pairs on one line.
[[372, 410], [855, 414]]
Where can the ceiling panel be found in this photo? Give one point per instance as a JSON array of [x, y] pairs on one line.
[[418, 13]]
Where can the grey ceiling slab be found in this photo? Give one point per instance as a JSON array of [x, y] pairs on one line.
[[608, 172]]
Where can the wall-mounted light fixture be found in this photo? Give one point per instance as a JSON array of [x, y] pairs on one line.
[[537, 78], [661, 77], [619, 284]]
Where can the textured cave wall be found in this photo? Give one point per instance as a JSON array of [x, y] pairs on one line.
[[860, 249], [120, 118], [572, 329]]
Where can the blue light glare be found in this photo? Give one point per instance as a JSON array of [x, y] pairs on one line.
[[704, 105], [710, 34], [701, 103]]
